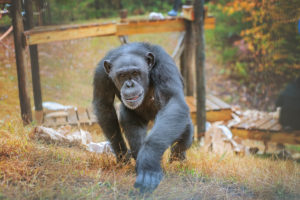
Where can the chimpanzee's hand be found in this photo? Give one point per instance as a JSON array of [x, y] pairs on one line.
[[148, 180]]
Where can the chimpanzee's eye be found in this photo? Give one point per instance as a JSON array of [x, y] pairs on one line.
[[121, 75]]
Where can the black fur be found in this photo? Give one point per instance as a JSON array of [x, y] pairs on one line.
[[289, 101], [163, 102]]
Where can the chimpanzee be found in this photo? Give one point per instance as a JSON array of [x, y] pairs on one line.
[[289, 101], [147, 82]]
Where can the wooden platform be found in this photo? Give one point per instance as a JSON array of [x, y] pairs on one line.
[[45, 34], [265, 128], [217, 110], [73, 117]]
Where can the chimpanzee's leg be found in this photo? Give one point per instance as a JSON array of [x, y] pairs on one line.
[[179, 147], [135, 129]]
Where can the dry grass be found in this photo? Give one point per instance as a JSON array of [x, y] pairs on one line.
[[32, 169]]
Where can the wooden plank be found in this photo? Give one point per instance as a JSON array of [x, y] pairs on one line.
[[83, 116], [282, 137], [18, 28], [243, 123], [262, 122], [46, 34], [218, 102], [56, 114], [211, 105], [276, 127], [248, 123], [49, 121], [272, 122], [60, 121], [221, 115], [150, 26], [72, 117], [60, 33], [214, 116], [91, 115], [179, 47], [191, 103]]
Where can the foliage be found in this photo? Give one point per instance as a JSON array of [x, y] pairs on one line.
[[5, 20], [68, 10], [264, 35]]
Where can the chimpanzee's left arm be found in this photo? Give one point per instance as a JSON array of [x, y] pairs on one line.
[[170, 123]]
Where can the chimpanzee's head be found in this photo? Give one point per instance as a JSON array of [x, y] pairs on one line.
[[130, 74]]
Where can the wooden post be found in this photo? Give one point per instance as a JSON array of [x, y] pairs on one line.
[[186, 62], [38, 5], [20, 55], [200, 66], [49, 20], [186, 59], [35, 69]]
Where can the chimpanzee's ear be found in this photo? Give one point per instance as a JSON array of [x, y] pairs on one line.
[[150, 60], [107, 66]]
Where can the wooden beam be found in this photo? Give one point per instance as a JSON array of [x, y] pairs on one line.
[[60, 33], [214, 115], [18, 27], [276, 136], [200, 66], [150, 26], [179, 47]]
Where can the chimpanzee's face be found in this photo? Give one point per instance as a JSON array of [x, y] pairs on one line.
[[130, 74]]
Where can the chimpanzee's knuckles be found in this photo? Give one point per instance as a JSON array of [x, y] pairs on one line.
[[147, 181]]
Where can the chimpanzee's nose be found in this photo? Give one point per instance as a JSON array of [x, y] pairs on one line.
[[129, 84]]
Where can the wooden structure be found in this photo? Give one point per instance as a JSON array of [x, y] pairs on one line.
[[216, 110], [37, 35], [73, 117], [266, 128]]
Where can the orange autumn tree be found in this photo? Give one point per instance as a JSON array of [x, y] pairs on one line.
[[271, 35]]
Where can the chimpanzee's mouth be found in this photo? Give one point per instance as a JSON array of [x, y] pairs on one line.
[[133, 102], [134, 98]]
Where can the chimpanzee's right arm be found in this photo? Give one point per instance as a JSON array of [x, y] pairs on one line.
[[103, 99]]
